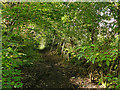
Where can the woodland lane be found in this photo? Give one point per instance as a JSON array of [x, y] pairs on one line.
[[54, 73], [60, 45]]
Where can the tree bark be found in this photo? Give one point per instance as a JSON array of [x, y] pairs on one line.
[[118, 40]]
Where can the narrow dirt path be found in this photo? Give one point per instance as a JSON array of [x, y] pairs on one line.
[[54, 73]]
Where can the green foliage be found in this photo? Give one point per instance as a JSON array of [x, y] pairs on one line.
[[105, 60], [10, 61], [28, 27], [112, 82]]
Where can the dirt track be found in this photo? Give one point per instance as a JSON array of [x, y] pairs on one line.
[[53, 72]]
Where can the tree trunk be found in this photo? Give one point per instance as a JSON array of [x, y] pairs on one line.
[[118, 73], [52, 43], [62, 53], [91, 65]]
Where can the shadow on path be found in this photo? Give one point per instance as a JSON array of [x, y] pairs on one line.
[[53, 72]]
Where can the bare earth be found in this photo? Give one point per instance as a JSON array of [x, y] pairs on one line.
[[53, 72]]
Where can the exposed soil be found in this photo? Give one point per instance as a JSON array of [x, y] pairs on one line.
[[53, 72]]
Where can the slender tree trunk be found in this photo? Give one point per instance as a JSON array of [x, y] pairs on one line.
[[118, 40], [92, 37], [71, 41], [62, 53], [91, 65], [52, 43]]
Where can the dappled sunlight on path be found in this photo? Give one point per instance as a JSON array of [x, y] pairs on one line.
[[53, 72]]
